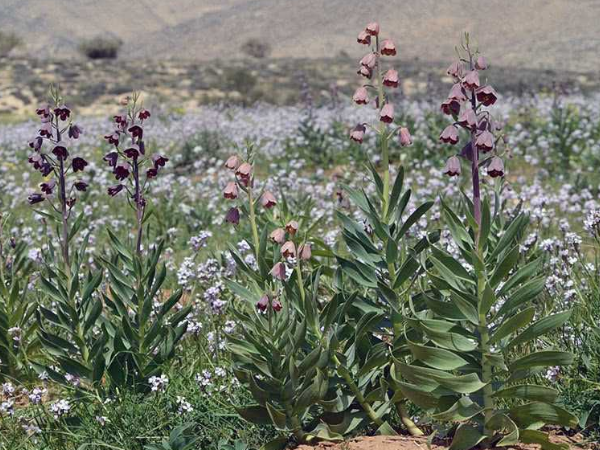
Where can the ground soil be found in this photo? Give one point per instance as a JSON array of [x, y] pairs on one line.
[[412, 443]]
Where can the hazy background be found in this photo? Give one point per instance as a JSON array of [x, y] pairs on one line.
[[541, 34]]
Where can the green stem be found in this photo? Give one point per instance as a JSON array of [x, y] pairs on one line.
[[412, 427], [383, 137], [486, 368], [356, 391], [253, 221]]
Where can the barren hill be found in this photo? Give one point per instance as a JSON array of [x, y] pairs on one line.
[[535, 34]]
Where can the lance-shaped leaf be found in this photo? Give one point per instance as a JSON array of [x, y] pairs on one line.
[[436, 357], [529, 392], [466, 437], [513, 324], [540, 328], [538, 412], [542, 359]]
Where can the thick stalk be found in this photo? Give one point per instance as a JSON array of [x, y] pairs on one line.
[[65, 216], [253, 221], [356, 391], [486, 368], [139, 207], [383, 138], [412, 427]]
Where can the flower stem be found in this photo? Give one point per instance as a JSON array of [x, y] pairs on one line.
[[253, 221]]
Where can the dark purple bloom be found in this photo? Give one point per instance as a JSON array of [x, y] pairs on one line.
[[263, 303], [35, 198], [43, 110], [75, 131], [159, 161], [151, 173], [133, 151], [60, 152], [48, 187], [79, 164], [136, 131], [122, 171], [121, 120], [113, 139], [62, 113], [36, 160], [36, 143], [46, 129], [114, 190], [46, 168], [81, 186], [144, 114], [111, 158], [233, 216]]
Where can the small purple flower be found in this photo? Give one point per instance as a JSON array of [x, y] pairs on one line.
[[35, 198], [79, 164], [136, 131], [60, 151], [114, 190], [159, 160], [75, 131], [133, 151], [113, 139], [122, 171], [62, 113], [144, 114], [151, 173], [111, 158], [36, 143], [81, 186], [233, 216], [48, 187]]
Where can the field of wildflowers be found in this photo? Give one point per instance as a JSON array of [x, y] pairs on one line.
[[267, 276]]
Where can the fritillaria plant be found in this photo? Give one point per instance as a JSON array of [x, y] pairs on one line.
[[372, 68], [61, 170], [131, 166]]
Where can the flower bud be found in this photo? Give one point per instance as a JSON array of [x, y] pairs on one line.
[[361, 96], [276, 305], [372, 29], [364, 38], [390, 78], [405, 137], [278, 235], [455, 70], [449, 135], [231, 190], [484, 141], [452, 168], [305, 251], [496, 168], [481, 63], [365, 72], [388, 48], [144, 114], [232, 162], [263, 303], [278, 271], [288, 250], [358, 133], [387, 113], [35, 198], [369, 61], [268, 200], [471, 80], [233, 216], [291, 227]]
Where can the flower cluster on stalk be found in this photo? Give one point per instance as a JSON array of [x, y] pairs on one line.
[[51, 157], [467, 103]]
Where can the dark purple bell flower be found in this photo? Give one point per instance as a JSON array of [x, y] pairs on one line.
[[113, 139], [81, 186], [60, 151], [144, 114], [122, 171], [75, 131], [36, 143], [62, 113], [114, 190], [233, 216], [79, 164], [111, 158], [133, 151], [136, 131], [151, 173], [159, 160], [46, 169], [48, 187], [35, 198]]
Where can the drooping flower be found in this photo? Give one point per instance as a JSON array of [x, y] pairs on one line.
[[486, 95], [452, 168], [358, 133], [387, 113], [122, 171], [288, 250], [449, 135], [114, 190], [364, 38], [369, 61], [361, 96], [79, 164], [496, 167], [372, 29], [468, 118], [111, 158], [268, 200], [455, 69], [291, 227], [159, 161], [388, 48], [305, 251], [405, 137], [484, 141], [60, 151], [278, 271], [471, 80], [231, 190], [233, 216], [390, 78], [278, 235]]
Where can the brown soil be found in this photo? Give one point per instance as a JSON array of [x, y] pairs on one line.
[[412, 443]]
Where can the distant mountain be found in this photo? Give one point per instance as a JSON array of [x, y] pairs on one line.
[[540, 34]]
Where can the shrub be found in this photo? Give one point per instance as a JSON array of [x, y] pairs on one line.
[[256, 48], [101, 47], [8, 42]]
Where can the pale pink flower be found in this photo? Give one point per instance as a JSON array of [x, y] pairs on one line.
[[372, 29], [449, 135], [390, 78], [387, 113], [230, 191], [388, 48], [405, 137], [361, 96]]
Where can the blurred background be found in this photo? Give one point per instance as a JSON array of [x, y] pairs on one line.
[[191, 52]]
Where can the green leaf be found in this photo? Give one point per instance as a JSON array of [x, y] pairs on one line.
[[505, 266], [542, 439], [277, 416], [279, 443], [466, 437], [540, 328], [531, 392], [436, 357], [524, 294], [414, 217], [538, 412], [543, 359], [255, 414], [519, 320], [464, 409]]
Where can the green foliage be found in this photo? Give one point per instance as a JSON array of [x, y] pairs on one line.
[[140, 339], [474, 341]]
